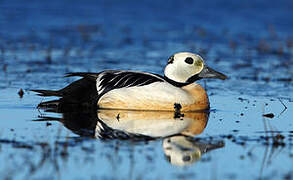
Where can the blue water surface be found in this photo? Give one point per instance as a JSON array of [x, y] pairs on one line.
[[250, 41]]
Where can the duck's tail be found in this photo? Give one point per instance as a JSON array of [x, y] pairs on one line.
[[42, 92], [79, 93], [54, 104]]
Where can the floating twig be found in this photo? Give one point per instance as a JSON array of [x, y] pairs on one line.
[[285, 107]]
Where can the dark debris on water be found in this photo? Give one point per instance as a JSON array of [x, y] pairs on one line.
[[20, 93], [269, 115]]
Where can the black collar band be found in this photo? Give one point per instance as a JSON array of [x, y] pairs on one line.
[[193, 78], [174, 83], [179, 84]]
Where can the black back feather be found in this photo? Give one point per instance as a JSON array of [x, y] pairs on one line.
[[110, 80]]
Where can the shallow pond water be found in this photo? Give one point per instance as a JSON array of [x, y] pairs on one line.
[[249, 41]]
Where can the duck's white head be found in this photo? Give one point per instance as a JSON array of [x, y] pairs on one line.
[[185, 68]]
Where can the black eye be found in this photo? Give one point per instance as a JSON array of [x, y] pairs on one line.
[[189, 60]]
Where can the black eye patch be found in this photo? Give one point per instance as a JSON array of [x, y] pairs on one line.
[[189, 60]]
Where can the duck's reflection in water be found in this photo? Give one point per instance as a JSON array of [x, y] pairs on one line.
[[184, 150], [176, 131]]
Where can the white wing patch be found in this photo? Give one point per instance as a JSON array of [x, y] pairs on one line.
[[99, 86]]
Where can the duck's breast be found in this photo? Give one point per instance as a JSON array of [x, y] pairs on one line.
[[156, 96]]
